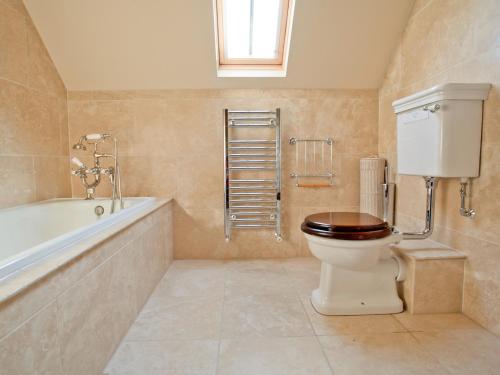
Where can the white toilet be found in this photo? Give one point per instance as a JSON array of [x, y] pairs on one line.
[[438, 136], [358, 273]]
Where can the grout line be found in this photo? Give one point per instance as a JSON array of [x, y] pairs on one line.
[[24, 85], [217, 364], [419, 11]]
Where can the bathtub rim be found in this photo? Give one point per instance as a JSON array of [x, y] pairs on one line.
[[22, 279]]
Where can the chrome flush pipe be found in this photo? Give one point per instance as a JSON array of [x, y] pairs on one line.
[[430, 185]]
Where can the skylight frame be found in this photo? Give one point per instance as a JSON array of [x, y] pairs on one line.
[[254, 64]]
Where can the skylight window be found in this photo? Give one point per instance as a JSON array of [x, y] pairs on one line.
[[253, 35]]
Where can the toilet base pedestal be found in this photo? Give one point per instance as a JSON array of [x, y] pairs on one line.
[[347, 292]]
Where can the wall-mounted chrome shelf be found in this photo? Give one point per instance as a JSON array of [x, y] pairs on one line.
[[313, 161], [252, 171]]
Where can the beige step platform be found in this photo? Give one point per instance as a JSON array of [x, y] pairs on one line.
[[434, 280]]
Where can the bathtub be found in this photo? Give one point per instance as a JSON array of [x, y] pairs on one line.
[[32, 232]]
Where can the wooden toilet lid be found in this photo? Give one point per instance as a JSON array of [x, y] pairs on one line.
[[346, 226]]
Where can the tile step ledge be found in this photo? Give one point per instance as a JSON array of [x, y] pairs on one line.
[[426, 250], [434, 277]]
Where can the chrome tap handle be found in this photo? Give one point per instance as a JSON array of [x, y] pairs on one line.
[[432, 108]]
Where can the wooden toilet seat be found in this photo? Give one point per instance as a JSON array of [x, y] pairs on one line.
[[353, 226]]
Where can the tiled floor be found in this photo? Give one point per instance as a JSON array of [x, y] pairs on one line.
[[254, 317]]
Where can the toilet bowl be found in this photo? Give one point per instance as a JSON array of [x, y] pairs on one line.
[[358, 270]]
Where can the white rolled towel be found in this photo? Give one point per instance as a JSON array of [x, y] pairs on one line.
[[370, 191]]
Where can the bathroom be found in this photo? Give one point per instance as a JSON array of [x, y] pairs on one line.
[[123, 250]]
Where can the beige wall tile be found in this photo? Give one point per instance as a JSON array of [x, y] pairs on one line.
[[13, 43], [437, 286], [171, 145], [17, 5], [51, 177], [453, 41], [33, 112], [34, 347], [42, 73], [18, 186]]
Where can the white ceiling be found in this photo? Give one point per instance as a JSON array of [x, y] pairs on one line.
[[163, 44]]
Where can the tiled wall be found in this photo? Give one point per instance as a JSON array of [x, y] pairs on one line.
[[33, 114], [171, 144], [454, 41]]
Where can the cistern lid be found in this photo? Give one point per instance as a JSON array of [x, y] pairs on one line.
[[346, 226]]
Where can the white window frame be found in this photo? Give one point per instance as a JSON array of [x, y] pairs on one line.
[[254, 67]]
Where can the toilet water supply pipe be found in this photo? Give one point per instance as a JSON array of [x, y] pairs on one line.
[[430, 185]]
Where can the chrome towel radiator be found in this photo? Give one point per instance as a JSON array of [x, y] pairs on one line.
[[252, 171]]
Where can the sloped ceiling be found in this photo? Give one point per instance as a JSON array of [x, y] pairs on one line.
[[163, 44]]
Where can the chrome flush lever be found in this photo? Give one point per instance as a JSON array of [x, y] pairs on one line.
[[432, 107]]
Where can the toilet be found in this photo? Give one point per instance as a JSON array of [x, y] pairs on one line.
[[438, 136], [358, 271]]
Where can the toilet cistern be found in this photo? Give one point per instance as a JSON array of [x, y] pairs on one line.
[[439, 136]]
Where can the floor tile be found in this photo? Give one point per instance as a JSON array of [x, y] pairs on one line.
[[197, 264], [350, 325], [177, 318], [304, 274], [255, 317], [180, 357], [384, 354], [192, 282], [463, 351], [265, 316], [274, 356], [431, 322], [257, 278]]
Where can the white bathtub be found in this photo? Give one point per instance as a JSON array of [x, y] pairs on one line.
[[35, 231]]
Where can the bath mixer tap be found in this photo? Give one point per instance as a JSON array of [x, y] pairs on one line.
[[113, 172]]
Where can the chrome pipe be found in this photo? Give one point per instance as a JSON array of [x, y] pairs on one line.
[[430, 185], [227, 231], [252, 161], [252, 168], [251, 148], [253, 141], [253, 220], [254, 225], [251, 156], [244, 194], [466, 212], [278, 174], [252, 213], [251, 125], [252, 112], [237, 181], [252, 118], [254, 207], [252, 188]]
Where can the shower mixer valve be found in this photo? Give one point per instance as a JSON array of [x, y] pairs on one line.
[[84, 172]]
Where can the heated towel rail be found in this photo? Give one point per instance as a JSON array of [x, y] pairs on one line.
[[252, 171]]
